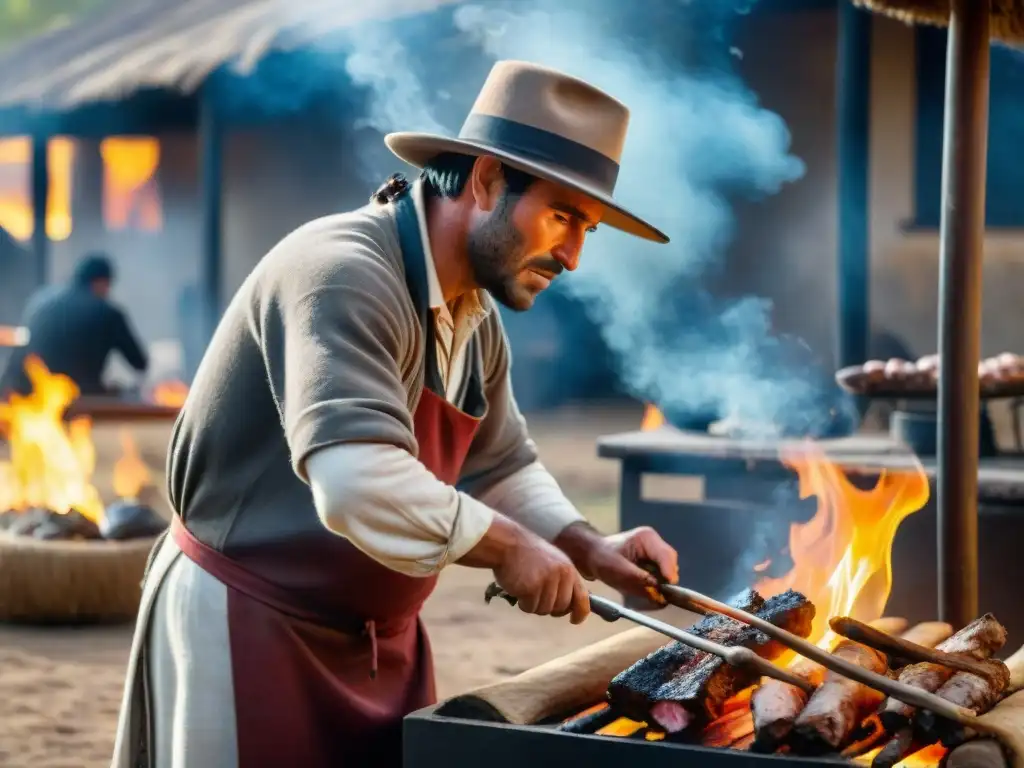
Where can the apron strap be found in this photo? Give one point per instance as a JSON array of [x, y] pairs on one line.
[[414, 260]]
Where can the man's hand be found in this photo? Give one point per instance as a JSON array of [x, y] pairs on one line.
[[614, 559], [543, 578]]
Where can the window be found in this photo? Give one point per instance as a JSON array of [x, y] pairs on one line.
[[1004, 204], [131, 197], [16, 187]]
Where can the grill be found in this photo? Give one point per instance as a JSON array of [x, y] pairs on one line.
[[468, 743]]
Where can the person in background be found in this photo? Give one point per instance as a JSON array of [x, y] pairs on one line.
[[73, 329]]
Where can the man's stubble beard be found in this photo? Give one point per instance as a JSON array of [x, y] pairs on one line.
[[493, 249]]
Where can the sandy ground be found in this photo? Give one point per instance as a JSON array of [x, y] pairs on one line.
[[60, 688]]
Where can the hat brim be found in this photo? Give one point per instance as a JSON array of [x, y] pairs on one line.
[[418, 149]]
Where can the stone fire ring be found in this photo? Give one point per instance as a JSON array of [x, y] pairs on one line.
[[71, 582]]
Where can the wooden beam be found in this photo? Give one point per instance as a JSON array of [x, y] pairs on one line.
[[962, 235], [40, 191], [211, 158], [853, 114]]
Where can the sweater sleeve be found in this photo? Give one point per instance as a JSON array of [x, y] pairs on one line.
[[335, 329]]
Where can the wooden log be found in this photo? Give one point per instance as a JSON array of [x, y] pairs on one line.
[[840, 704], [776, 705], [906, 651], [980, 639], [965, 689]]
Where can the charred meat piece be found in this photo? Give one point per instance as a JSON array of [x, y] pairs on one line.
[[690, 686], [775, 705], [979, 639], [966, 690], [839, 704]]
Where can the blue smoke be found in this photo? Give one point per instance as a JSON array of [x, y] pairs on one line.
[[698, 140]]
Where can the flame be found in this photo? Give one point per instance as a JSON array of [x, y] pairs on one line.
[[131, 474], [129, 186], [929, 757], [170, 393], [623, 726], [842, 557], [653, 418], [130, 193], [51, 462]]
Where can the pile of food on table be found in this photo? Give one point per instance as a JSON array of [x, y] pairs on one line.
[[921, 377]]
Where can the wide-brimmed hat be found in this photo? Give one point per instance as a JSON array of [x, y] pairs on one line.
[[545, 123]]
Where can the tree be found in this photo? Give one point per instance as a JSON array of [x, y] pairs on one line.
[[21, 19]]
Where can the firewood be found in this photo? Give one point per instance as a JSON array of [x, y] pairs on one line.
[[840, 704], [776, 705], [979, 639], [965, 689], [901, 649], [983, 753]]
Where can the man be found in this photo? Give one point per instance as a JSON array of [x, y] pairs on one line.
[[359, 374], [74, 328]]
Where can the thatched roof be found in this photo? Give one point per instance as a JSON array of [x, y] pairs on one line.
[[172, 44], [1007, 15]]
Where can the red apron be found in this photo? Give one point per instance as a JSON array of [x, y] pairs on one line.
[[328, 687]]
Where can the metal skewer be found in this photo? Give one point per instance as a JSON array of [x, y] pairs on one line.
[[900, 691], [737, 656]]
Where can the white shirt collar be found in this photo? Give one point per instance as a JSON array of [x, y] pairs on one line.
[[436, 296]]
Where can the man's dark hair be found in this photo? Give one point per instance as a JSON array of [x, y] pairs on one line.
[[94, 266], [446, 176]]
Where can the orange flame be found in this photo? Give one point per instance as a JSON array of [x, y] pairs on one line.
[[929, 757], [51, 462], [842, 557], [131, 474], [170, 393], [130, 194], [653, 418]]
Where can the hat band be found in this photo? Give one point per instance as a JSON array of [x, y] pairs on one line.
[[541, 146]]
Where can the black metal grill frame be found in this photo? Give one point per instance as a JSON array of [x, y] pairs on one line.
[[431, 740]]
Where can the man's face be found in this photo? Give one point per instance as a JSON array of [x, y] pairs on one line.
[[522, 243], [101, 287]]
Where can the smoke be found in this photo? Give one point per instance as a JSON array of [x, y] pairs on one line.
[[698, 140]]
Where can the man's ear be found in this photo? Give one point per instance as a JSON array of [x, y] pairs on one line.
[[486, 182]]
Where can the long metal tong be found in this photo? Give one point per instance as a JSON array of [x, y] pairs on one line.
[[685, 598], [737, 656]]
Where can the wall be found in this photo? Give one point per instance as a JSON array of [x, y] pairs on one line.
[[785, 246], [905, 277]]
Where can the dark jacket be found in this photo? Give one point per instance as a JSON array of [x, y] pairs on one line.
[[73, 331]]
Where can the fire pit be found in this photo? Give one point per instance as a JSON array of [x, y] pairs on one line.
[[524, 719], [63, 556]]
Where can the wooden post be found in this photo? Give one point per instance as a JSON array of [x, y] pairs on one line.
[[853, 114], [211, 196], [40, 191], [961, 249]]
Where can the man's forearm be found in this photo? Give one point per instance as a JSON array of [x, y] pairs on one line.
[[392, 508], [533, 499]]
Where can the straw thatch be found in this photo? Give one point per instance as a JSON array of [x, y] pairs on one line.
[[172, 44], [1007, 15], [57, 582]]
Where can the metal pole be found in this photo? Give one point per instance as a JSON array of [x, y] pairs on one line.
[[961, 248], [40, 189], [853, 108], [211, 196]]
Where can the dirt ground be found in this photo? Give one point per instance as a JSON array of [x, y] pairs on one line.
[[60, 688]]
